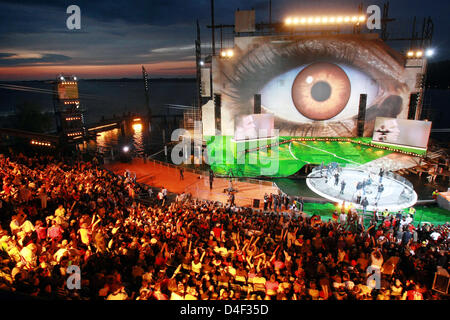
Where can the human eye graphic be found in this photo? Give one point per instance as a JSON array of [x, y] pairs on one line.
[[318, 92], [313, 86]]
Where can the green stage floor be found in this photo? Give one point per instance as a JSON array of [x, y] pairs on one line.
[[431, 213], [252, 159]]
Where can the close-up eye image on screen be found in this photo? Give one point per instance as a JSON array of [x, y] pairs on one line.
[[224, 159]]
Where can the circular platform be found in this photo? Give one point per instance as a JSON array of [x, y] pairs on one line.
[[398, 193]]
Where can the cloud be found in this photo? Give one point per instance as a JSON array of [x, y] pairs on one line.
[[173, 49], [14, 59]]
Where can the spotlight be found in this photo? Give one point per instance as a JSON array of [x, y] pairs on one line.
[[303, 20], [61, 78], [75, 78], [126, 149], [362, 18], [347, 19], [295, 20], [202, 63], [230, 53], [419, 54], [288, 21], [354, 18], [223, 54], [410, 53], [137, 127], [429, 52], [339, 19]]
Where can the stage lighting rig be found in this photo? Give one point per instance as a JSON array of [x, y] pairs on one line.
[[227, 53], [325, 20], [415, 54]]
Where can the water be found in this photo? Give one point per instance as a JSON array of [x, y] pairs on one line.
[[106, 98]]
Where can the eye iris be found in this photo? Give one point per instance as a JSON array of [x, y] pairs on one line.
[[321, 91]]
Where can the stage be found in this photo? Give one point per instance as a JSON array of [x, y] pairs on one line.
[[398, 193], [159, 175]]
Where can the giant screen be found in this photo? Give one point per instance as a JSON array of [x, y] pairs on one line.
[[312, 85]]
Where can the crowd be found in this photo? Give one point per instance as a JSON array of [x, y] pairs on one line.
[[129, 247]]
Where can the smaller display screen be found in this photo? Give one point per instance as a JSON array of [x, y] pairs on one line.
[[411, 133]]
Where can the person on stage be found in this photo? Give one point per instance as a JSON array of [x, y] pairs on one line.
[[381, 174], [358, 196], [342, 187], [380, 191], [266, 200], [364, 204], [336, 179]]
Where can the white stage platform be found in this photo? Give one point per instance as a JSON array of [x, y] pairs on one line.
[[398, 192]]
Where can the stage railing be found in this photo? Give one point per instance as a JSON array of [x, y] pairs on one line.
[[408, 190], [387, 174]]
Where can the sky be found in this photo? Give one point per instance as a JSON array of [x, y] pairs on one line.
[[117, 37]]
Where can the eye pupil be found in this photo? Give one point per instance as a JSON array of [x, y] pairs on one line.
[[321, 91]]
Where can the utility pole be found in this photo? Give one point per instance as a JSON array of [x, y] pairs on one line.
[[212, 29]]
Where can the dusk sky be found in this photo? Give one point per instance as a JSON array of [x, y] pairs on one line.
[[117, 37]]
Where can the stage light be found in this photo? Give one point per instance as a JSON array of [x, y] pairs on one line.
[[419, 54], [317, 20], [295, 21], [347, 19], [137, 127], [339, 19], [410, 53], [288, 21], [362, 19], [429, 52], [324, 20], [332, 20], [303, 20], [230, 53], [354, 19], [75, 78], [310, 20], [202, 63], [223, 53], [126, 149], [61, 78]]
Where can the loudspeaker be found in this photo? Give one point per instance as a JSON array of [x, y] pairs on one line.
[[256, 203], [218, 111], [361, 114], [413, 101], [257, 104], [441, 281]]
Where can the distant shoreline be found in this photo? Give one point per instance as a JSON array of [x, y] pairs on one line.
[[113, 80]]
